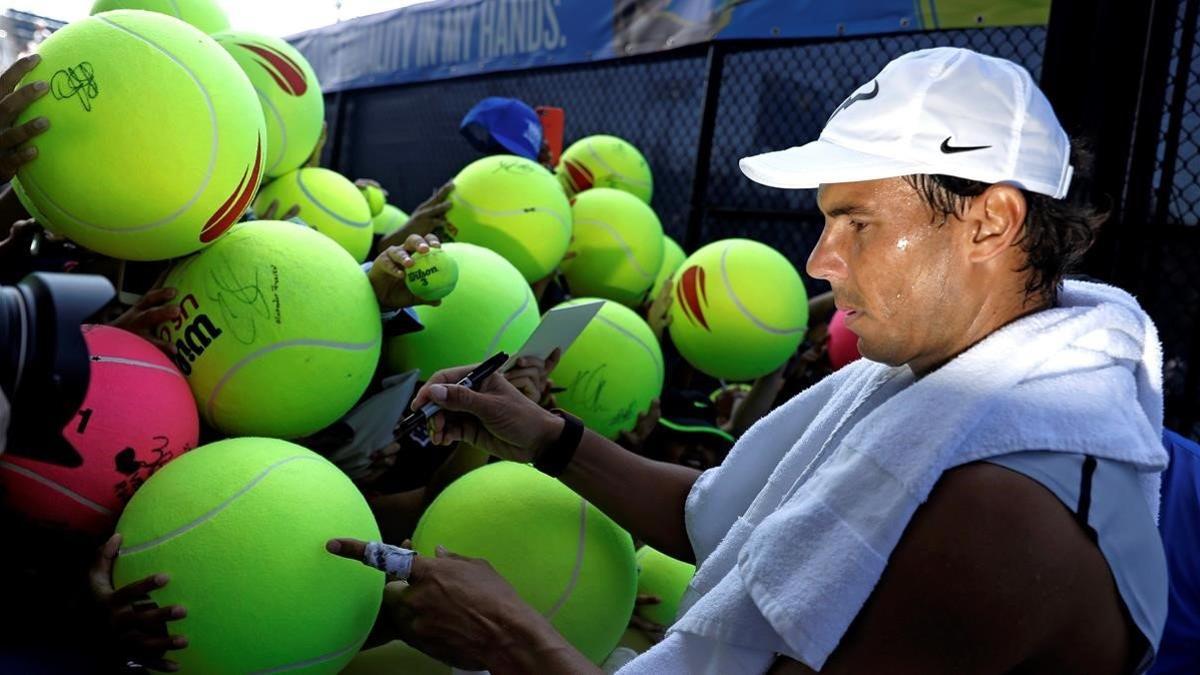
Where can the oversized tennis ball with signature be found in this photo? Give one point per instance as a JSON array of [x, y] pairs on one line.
[[612, 372], [514, 207], [156, 143], [432, 276], [279, 331]]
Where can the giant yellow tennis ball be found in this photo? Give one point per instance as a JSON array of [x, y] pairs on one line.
[[395, 658], [514, 207], [291, 98], [388, 221], [740, 309], [673, 257], [605, 161], [240, 526], [158, 140], [279, 333], [491, 309], [617, 247], [665, 577], [328, 202], [612, 371], [206, 15], [565, 558]]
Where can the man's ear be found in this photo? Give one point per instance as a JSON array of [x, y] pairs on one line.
[[997, 220]]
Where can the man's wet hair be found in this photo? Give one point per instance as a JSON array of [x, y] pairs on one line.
[[1057, 232]]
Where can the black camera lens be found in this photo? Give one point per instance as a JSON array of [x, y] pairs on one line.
[[44, 365]]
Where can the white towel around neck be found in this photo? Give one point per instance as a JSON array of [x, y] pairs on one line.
[[790, 548]]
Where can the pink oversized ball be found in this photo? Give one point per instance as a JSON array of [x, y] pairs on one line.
[[137, 415], [843, 344]]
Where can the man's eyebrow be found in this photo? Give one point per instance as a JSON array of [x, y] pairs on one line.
[[848, 210]]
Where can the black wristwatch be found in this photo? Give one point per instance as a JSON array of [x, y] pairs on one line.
[[554, 459]]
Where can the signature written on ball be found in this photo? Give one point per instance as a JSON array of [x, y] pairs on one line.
[[245, 296], [78, 81]]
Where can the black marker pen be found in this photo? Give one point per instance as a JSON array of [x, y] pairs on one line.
[[471, 380]]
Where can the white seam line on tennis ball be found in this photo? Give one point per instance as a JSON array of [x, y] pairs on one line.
[[55, 486], [627, 179], [134, 362], [455, 197], [624, 246], [282, 130], [307, 662], [621, 329], [211, 513], [212, 396], [491, 348], [212, 159], [580, 550], [737, 302], [319, 205]]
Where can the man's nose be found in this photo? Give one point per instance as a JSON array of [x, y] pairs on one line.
[[826, 260]]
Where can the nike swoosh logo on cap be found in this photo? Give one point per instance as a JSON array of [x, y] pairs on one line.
[[951, 149], [855, 99]]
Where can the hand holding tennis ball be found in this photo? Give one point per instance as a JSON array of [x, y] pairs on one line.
[[432, 275], [420, 257], [449, 592], [140, 627], [14, 150]]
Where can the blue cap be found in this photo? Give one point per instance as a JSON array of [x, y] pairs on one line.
[[503, 125]]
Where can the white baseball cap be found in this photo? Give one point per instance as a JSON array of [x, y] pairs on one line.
[[934, 111]]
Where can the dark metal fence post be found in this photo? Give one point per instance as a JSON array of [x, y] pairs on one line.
[[333, 138], [1139, 192], [1096, 75], [708, 123]]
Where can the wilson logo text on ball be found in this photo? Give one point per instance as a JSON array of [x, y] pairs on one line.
[[287, 73], [579, 176], [194, 339], [233, 208], [693, 296], [78, 81], [422, 275]]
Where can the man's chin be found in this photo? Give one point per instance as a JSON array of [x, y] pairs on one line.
[[873, 351]]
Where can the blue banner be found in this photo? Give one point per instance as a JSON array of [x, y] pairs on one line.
[[452, 38]]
